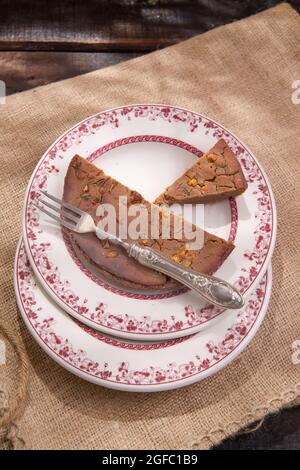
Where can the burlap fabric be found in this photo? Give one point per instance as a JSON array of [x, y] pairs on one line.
[[241, 75]]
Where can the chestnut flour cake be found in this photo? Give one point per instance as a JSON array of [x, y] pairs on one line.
[[216, 175], [86, 186]]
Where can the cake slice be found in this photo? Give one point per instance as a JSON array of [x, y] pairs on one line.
[[216, 175], [86, 186]]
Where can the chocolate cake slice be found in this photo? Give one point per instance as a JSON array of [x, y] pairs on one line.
[[216, 175], [86, 186]]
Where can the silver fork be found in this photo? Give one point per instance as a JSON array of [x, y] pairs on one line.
[[211, 288]]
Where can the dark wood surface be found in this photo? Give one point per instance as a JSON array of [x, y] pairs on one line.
[[44, 42], [114, 25], [22, 70], [278, 432]]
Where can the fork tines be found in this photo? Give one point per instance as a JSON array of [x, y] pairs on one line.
[[69, 215]]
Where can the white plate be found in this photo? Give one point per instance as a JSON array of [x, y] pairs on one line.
[[138, 367], [147, 147]]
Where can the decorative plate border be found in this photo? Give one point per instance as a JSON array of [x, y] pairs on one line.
[[144, 138], [147, 346], [266, 215], [76, 360]]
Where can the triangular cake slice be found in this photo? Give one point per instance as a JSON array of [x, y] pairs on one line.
[[86, 186], [216, 175]]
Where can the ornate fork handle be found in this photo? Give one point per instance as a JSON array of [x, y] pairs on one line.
[[211, 288]]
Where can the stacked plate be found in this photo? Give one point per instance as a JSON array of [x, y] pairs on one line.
[[131, 340]]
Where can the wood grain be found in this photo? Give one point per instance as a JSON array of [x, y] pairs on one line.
[[24, 70], [114, 25]]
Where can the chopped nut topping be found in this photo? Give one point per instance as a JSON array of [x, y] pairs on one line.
[[112, 186], [187, 263], [112, 254], [211, 157], [193, 182], [178, 257], [100, 182]]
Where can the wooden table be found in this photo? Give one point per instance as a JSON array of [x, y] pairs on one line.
[[41, 44]]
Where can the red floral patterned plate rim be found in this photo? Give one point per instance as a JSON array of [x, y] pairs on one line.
[[266, 229], [157, 376]]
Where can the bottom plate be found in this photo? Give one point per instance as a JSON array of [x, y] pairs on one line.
[[132, 366]]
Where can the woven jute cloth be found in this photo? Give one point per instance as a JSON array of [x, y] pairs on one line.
[[240, 75]]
